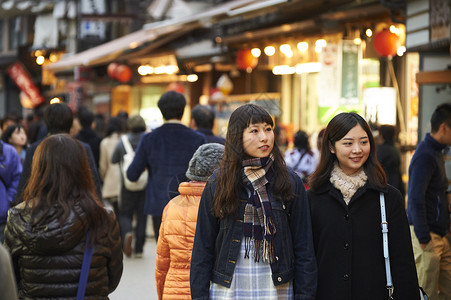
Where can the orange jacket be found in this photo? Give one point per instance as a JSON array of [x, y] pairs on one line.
[[175, 242]]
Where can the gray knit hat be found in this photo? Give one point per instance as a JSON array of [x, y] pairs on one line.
[[204, 161]]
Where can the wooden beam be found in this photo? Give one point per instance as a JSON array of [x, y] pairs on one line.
[[434, 77]]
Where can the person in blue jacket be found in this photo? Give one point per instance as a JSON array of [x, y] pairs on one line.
[[165, 152], [253, 236], [427, 207], [10, 170]]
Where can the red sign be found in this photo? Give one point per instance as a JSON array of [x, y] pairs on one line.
[[25, 83]]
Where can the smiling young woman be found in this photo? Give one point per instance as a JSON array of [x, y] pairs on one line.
[[346, 218]]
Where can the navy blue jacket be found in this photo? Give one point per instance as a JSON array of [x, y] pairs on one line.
[[165, 152], [10, 170], [427, 205], [217, 243]]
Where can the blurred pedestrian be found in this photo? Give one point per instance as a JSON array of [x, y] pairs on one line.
[[47, 233], [131, 202], [253, 234], [8, 289], [123, 116], [87, 134], [427, 207], [110, 173], [7, 121], [389, 156], [58, 118], [178, 225], [165, 153], [37, 129], [301, 158], [16, 136], [344, 198], [203, 119], [281, 137], [100, 125], [10, 170]]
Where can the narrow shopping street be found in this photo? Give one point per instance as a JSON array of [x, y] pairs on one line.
[[138, 278]]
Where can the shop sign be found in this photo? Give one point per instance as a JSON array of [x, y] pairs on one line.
[[90, 28], [75, 95], [23, 80], [350, 73]]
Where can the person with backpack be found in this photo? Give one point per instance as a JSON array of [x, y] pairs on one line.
[[132, 195]]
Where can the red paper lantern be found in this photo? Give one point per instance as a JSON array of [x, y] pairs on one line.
[[245, 59], [386, 43], [111, 69], [123, 73]]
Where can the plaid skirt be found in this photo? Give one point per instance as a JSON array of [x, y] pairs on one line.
[[252, 281]]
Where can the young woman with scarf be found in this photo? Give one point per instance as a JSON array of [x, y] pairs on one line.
[[346, 218], [253, 237]]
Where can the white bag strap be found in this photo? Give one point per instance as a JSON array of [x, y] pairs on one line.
[[127, 145], [384, 225]]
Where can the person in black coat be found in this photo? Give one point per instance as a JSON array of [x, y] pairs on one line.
[[389, 157], [346, 219], [87, 134], [58, 118]]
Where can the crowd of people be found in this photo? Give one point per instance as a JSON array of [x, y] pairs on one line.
[[253, 215]]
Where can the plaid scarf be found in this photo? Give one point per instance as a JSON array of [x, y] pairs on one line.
[[258, 226]]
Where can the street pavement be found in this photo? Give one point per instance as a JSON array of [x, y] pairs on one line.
[[138, 278]]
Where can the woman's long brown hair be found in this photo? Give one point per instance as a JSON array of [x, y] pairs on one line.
[[226, 199], [61, 177], [337, 128]]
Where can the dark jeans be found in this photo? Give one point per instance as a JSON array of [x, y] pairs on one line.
[[2, 233], [130, 206]]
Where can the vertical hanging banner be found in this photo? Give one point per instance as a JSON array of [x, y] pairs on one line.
[[23, 80], [329, 82], [350, 73], [75, 95]]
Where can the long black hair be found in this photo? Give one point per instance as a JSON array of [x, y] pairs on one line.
[[226, 199], [337, 128]]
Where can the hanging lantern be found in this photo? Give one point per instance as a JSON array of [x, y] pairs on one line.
[[245, 60], [111, 70], [386, 43], [123, 73], [224, 84]]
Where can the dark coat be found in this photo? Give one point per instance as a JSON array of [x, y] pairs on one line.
[[390, 158], [89, 136], [47, 256], [217, 243], [348, 245], [165, 152], [427, 205]]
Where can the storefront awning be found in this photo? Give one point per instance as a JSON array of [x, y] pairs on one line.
[[151, 32], [108, 51]]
